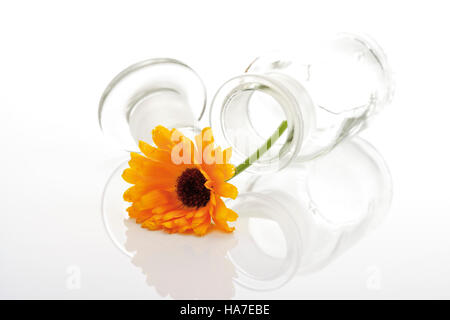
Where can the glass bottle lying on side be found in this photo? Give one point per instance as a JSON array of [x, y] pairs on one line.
[[299, 220], [301, 107], [160, 91]]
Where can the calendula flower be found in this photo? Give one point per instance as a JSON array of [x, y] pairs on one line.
[[178, 186]]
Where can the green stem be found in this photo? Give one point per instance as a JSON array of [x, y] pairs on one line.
[[261, 150]]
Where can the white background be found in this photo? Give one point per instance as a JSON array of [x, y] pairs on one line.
[[56, 57]]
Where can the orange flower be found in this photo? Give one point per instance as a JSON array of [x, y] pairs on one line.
[[178, 186]]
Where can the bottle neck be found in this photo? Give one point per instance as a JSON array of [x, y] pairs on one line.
[[247, 110]]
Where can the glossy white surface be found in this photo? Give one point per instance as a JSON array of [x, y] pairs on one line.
[[57, 58]]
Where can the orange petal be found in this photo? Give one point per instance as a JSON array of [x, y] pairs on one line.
[[141, 163], [200, 213], [168, 224], [134, 193], [174, 204], [151, 225], [145, 166], [201, 216], [190, 214], [151, 172], [162, 138], [132, 176], [184, 228], [228, 170], [152, 199], [227, 153], [140, 158], [180, 222], [143, 216], [132, 212], [222, 215], [174, 214], [201, 229], [155, 154], [221, 172], [139, 216], [224, 189]]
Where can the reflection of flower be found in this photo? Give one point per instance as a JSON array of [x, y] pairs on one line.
[[183, 267], [179, 196]]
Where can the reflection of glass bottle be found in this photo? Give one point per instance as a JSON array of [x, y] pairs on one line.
[[290, 222], [325, 94], [150, 93], [300, 219]]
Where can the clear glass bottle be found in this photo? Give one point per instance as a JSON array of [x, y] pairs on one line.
[[153, 92], [300, 219], [325, 93]]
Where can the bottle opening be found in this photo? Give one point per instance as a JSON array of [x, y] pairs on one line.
[[149, 93], [246, 114]]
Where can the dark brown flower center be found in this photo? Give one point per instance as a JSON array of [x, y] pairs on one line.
[[191, 188]]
